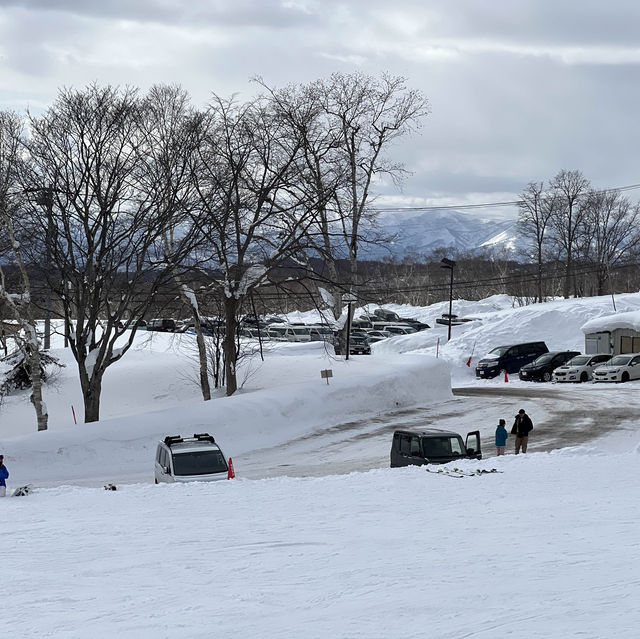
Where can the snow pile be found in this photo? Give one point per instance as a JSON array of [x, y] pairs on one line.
[[630, 319]]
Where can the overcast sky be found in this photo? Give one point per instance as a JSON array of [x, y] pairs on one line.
[[519, 89]]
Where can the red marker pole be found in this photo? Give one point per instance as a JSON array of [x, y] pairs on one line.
[[74, 414]]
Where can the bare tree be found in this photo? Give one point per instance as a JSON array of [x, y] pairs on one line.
[[252, 211], [536, 210], [102, 227], [570, 188], [171, 134], [18, 302], [346, 124], [612, 222]]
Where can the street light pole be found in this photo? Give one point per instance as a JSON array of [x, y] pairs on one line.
[[449, 264]]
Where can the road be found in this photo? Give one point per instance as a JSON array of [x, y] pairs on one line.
[[563, 415]]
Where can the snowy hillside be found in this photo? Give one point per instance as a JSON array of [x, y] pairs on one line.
[[382, 553], [420, 233]]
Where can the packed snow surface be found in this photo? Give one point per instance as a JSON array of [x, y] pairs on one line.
[[546, 547]]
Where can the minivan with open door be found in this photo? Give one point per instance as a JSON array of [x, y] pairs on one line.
[[433, 446]]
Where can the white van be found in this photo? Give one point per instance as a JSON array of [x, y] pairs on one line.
[[197, 458], [287, 333]]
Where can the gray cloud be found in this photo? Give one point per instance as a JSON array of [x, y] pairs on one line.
[[519, 90]]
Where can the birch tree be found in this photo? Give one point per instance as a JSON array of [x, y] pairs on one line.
[[18, 301]]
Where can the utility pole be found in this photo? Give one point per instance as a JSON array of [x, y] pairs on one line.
[[449, 264], [350, 299]]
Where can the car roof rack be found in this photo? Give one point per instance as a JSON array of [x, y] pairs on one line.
[[200, 437], [204, 437]]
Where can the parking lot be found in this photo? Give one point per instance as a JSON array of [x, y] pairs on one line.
[[563, 415]]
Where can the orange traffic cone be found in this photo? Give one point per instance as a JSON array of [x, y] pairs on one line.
[[230, 473], [506, 378]]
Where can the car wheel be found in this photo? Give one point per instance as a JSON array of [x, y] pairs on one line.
[[584, 377], [547, 377], [625, 377]]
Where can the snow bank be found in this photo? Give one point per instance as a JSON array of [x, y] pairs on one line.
[[296, 403]]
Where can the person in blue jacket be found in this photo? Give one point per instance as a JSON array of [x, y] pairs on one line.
[[501, 437], [4, 473]]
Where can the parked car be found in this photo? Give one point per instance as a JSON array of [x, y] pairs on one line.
[[432, 446], [399, 329], [541, 369], [290, 333], [386, 316], [509, 358], [197, 458], [381, 314], [358, 344], [361, 323], [320, 334], [377, 336], [579, 368], [164, 325], [620, 368]]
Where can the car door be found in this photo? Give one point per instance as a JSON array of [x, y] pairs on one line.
[[634, 368], [408, 450], [472, 444]]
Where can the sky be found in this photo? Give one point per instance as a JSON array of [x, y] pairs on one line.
[[518, 90]]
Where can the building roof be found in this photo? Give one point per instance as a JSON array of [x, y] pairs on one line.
[[628, 319]]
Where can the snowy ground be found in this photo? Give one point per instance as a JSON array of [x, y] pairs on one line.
[[546, 548]]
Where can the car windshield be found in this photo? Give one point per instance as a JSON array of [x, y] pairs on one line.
[[498, 352], [301, 331], [619, 360], [581, 360], [544, 359], [441, 446], [198, 462]]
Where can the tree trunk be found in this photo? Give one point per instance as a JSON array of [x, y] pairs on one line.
[[91, 393], [229, 344], [202, 356], [42, 416]]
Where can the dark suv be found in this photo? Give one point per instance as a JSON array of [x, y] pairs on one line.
[[541, 369], [164, 325], [432, 446], [509, 358]]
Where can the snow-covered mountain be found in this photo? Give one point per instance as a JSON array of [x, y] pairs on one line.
[[420, 233]]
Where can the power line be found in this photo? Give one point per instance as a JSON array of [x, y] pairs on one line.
[[486, 205]]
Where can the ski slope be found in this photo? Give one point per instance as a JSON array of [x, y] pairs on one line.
[[545, 548]]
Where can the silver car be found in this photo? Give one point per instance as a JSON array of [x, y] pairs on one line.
[[620, 368], [197, 458], [580, 368]]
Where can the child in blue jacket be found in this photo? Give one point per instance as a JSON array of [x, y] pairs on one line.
[[4, 473], [501, 437]]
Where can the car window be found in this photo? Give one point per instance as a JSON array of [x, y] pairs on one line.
[[498, 351], [620, 360], [198, 462], [636, 360], [405, 444], [441, 446], [544, 359], [415, 446]]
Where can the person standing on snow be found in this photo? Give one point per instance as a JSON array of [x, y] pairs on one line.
[[4, 473], [522, 426], [501, 437]]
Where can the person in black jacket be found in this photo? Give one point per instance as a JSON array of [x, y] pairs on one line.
[[522, 426]]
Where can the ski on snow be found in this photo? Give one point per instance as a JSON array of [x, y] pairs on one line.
[[458, 472]]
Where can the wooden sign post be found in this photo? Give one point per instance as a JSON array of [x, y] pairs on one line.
[[326, 374]]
